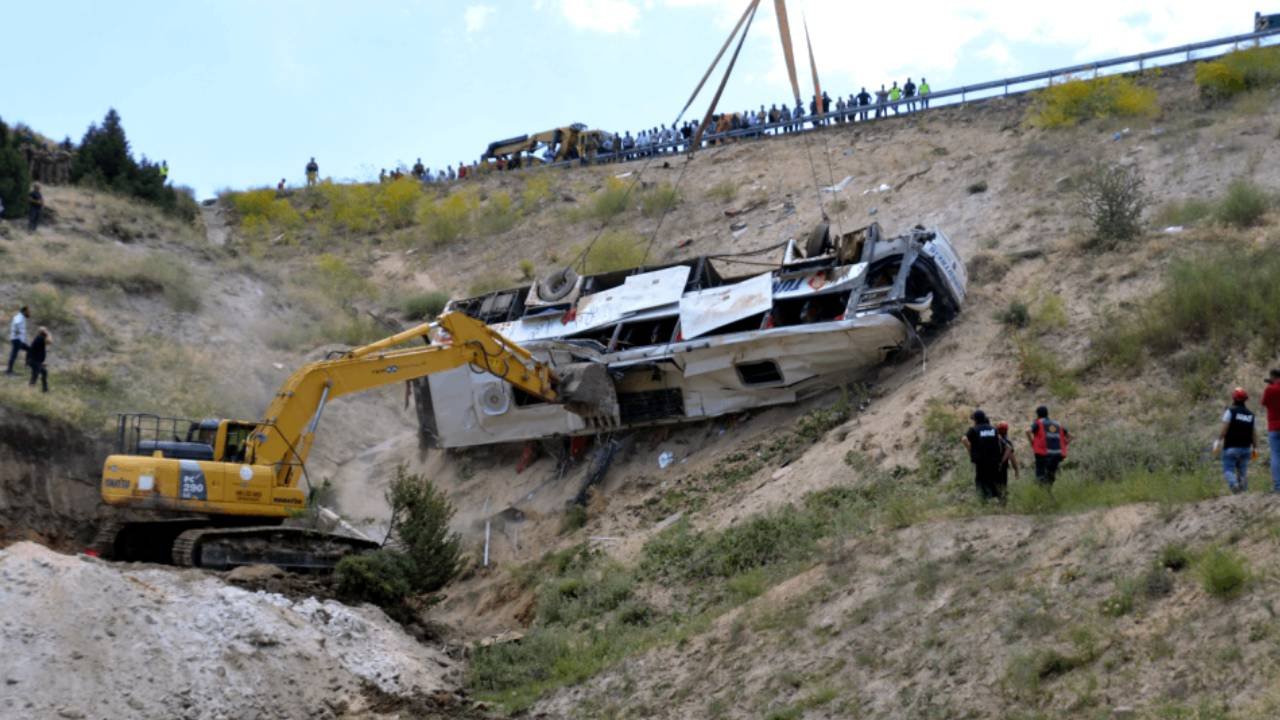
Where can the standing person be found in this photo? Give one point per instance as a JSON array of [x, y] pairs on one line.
[[924, 94], [986, 453], [882, 100], [313, 172], [864, 99], [164, 171], [35, 204], [35, 359], [1271, 401], [895, 94], [1237, 442], [840, 108], [1008, 459], [419, 169], [1049, 440], [17, 336], [909, 91]]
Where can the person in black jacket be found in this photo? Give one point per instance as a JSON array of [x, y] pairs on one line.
[[35, 359], [1237, 441], [986, 453]]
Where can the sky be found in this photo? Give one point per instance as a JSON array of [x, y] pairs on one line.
[[240, 93]]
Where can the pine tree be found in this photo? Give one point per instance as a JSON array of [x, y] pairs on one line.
[[104, 155], [15, 176]]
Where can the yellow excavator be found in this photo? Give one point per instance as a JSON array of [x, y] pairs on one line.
[[571, 142], [215, 493]]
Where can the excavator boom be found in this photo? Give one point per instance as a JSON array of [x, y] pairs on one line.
[[224, 489]]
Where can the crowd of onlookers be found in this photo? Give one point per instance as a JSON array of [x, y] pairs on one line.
[[612, 147], [776, 120]]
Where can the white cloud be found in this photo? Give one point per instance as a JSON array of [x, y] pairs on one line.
[[997, 52], [869, 43], [606, 16], [476, 17]]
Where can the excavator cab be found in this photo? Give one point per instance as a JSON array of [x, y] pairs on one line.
[[181, 439]]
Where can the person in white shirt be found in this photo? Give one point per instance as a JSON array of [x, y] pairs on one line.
[[17, 336]]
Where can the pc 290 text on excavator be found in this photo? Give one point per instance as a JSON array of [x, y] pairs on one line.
[[214, 493]]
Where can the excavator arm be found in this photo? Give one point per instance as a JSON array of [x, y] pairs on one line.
[[284, 437]]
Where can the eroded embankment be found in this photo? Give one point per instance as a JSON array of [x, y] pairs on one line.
[[48, 480]]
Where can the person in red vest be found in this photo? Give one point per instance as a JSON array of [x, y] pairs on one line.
[[1049, 441], [1271, 401]]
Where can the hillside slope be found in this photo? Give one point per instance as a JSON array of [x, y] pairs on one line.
[[823, 560]]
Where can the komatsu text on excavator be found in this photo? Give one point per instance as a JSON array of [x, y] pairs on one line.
[[214, 493]]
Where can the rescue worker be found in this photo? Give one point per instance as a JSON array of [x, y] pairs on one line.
[[1008, 460], [1237, 442], [1271, 401], [895, 94], [986, 453], [164, 171], [1049, 440], [924, 93]]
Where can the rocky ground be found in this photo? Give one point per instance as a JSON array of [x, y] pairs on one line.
[[90, 639]]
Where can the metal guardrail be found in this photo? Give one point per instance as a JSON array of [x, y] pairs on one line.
[[951, 96]]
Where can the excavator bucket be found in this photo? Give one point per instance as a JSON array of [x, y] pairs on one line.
[[588, 390]]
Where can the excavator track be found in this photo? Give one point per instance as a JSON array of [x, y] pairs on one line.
[[290, 548]]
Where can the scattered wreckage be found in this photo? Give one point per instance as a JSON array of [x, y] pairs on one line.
[[682, 343]]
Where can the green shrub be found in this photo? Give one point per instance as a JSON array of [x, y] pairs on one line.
[[1244, 204], [261, 213], [1073, 101], [1112, 199], [340, 280], [940, 451], [537, 188], [15, 177], [1157, 582], [610, 200], [351, 208], [575, 518], [724, 191], [420, 516], [1016, 315], [425, 306], [49, 308], [497, 216], [398, 200], [1238, 72], [1222, 298], [487, 283], [614, 250], [181, 290], [1040, 367], [1175, 557], [659, 200], [447, 219], [1222, 572], [527, 269], [380, 577], [1184, 213]]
